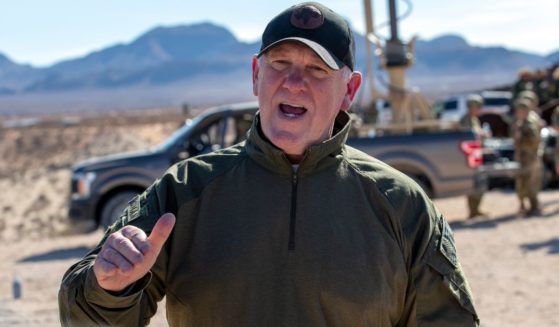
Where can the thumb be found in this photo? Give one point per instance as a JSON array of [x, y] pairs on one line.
[[161, 231]]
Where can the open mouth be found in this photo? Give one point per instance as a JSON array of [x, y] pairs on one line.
[[292, 111]]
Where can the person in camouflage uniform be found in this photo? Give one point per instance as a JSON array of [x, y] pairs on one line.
[[527, 153], [471, 121], [542, 86], [524, 82], [534, 115], [555, 125], [554, 84], [534, 101]]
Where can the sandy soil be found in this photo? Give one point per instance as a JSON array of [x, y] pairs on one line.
[[511, 262]]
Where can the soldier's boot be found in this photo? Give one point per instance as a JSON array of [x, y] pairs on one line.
[[522, 209], [534, 207], [474, 201], [477, 213]]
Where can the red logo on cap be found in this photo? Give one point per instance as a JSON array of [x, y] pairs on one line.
[[307, 17]]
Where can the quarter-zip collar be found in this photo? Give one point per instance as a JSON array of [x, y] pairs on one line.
[[261, 150]]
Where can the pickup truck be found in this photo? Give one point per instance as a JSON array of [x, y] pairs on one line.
[[445, 163]]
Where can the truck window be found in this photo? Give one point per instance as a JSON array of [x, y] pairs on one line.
[[207, 139], [496, 101], [450, 105], [215, 131], [241, 124], [226, 131]]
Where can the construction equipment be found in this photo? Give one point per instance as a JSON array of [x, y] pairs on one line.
[[396, 56]]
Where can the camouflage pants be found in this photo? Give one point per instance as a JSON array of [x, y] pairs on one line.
[[474, 199], [528, 183]]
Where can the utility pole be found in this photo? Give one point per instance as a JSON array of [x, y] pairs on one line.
[[369, 26]]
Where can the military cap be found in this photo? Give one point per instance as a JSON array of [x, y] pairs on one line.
[[474, 99], [522, 103], [529, 95]]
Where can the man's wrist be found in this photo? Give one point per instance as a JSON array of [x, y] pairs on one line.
[[95, 292]]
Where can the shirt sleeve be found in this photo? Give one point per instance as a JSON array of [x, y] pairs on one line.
[[443, 296], [438, 294], [82, 302]]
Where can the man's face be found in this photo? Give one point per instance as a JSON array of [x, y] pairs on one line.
[[299, 96], [521, 113], [475, 109]]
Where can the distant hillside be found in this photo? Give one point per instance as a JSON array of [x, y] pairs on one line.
[[449, 64], [553, 57], [162, 55], [452, 54], [14, 77], [166, 60], [202, 42]]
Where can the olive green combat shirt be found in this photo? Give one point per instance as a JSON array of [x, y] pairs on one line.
[[344, 241], [527, 149], [555, 124], [468, 121], [471, 122]]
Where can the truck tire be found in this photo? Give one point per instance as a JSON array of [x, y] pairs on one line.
[[114, 206]]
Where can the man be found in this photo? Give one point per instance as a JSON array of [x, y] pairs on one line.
[[554, 85], [527, 141], [535, 119], [542, 86], [524, 82], [290, 228], [555, 125], [470, 121], [534, 111]]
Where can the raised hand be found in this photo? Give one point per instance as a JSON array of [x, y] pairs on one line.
[[129, 254]]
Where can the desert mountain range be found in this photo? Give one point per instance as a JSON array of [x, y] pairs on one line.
[[204, 64]]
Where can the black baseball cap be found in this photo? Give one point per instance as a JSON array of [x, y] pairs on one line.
[[318, 27]]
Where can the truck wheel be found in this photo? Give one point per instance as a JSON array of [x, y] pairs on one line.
[[114, 206]]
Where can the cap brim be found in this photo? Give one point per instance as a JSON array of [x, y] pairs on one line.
[[324, 54]]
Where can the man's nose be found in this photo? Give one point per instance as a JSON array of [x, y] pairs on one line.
[[295, 80]]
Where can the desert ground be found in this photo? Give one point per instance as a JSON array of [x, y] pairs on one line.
[[511, 261]]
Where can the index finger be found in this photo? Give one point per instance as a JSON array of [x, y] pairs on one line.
[[138, 237]]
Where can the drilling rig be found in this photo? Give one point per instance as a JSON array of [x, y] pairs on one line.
[[409, 108]]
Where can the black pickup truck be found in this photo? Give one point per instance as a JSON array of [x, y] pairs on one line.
[[445, 163]]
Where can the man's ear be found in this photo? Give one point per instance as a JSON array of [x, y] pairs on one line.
[[255, 70], [352, 87]]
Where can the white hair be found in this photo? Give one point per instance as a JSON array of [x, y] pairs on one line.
[[347, 72]]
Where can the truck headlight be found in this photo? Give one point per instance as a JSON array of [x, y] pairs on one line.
[[81, 184]]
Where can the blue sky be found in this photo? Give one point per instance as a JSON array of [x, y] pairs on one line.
[[41, 32]]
